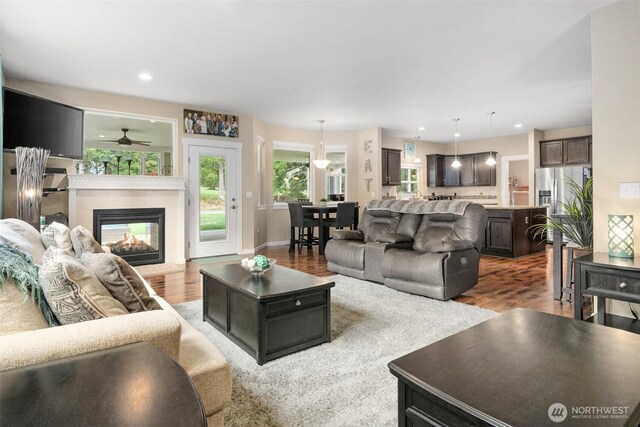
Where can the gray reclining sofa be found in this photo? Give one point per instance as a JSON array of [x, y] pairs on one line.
[[429, 248]]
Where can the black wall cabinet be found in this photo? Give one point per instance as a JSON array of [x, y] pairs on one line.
[[473, 172]]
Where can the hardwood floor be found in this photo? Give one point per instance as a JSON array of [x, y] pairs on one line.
[[503, 284]]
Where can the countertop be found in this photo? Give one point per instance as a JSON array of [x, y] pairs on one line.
[[514, 207]]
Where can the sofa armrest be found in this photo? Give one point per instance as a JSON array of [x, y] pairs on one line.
[[393, 238], [157, 327], [452, 245], [347, 235]]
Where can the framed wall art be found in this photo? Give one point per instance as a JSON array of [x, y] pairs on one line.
[[207, 123]]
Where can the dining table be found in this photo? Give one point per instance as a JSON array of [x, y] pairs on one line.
[[323, 212]]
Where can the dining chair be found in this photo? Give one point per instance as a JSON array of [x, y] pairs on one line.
[[304, 225], [345, 216]]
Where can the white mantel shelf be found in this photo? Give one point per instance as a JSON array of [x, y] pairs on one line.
[[126, 182]]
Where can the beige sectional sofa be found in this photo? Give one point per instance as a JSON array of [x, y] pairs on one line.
[[25, 337]]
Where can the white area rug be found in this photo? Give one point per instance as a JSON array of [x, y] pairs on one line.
[[345, 382]]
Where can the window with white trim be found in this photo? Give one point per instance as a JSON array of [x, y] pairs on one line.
[[335, 177], [408, 180], [291, 172]]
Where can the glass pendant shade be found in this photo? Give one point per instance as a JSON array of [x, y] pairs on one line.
[[621, 236], [456, 163], [491, 161], [321, 162]]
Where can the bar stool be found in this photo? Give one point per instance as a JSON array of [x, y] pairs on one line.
[[299, 221], [345, 216]]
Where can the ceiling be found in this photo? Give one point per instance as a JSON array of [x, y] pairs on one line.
[[357, 65]]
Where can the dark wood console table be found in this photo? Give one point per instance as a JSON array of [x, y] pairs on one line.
[[131, 385], [606, 277], [509, 370]]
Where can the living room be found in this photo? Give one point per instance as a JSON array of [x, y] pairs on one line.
[[351, 83]]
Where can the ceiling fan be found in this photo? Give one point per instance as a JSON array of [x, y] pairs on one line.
[[125, 140]]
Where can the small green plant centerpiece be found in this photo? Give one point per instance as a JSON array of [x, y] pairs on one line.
[[323, 201], [577, 221]]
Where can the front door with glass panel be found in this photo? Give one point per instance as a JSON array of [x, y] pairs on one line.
[[213, 207]]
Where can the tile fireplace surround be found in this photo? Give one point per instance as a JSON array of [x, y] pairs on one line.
[[89, 192]]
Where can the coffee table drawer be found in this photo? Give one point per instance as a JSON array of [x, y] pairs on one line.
[[299, 302]]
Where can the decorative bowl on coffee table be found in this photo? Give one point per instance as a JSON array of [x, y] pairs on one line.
[[254, 269]]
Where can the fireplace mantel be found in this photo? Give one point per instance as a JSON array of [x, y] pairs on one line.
[[88, 192], [126, 182]]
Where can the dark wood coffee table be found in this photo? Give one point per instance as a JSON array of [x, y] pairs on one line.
[[131, 385], [280, 313], [510, 370]]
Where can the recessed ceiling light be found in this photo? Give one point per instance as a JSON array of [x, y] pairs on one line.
[[152, 121], [145, 76], [456, 134], [421, 128], [100, 136], [518, 125]]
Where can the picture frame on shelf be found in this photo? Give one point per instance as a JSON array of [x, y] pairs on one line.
[[208, 123]]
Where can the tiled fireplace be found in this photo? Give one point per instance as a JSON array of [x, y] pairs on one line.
[[128, 193], [135, 234]]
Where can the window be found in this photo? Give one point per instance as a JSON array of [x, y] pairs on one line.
[[336, 175], [94, 161], [408, 180], [290, 173]]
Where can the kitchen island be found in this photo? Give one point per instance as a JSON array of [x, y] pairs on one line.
[[508, 233]]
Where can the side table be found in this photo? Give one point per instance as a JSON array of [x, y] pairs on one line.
[[132, 385], [597, 274]]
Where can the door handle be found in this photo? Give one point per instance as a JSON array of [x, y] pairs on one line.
[[233, 206]]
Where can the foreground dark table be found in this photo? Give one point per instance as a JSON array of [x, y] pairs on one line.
[[132, 385], [280, 313], [509, 371]]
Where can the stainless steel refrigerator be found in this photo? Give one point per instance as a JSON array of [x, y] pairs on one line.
[[552, 188]]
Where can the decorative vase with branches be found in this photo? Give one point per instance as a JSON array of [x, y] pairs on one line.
[[577, 221]]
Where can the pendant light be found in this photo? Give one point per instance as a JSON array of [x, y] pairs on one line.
[[417, 159], [456, 163], [491, 161], [321, 162]]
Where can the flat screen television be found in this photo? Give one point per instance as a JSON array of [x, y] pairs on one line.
[[30, 121]]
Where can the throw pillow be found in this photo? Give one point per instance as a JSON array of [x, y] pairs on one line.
[[56, 235], [23, 236], [73, 292], [83, 241], [121, 280]]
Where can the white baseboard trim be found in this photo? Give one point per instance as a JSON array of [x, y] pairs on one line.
[[263, 246]]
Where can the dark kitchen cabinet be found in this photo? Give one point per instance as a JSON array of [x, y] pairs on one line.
[[484, 175], [467, 173], [473, 172], [568, 151], [507, 233], [435, 170], [391, 160], [451, 174], [577, 151]]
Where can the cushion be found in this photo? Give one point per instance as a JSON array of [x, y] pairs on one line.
[[83, 241], [73, 292], [347, 235], [121, 280], [17, 312], [393, 238], [56, 235], [23, 236]]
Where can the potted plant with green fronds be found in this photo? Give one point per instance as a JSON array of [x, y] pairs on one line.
[[576, 222]]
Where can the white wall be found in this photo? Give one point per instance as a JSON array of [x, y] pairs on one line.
[[615, 47]]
